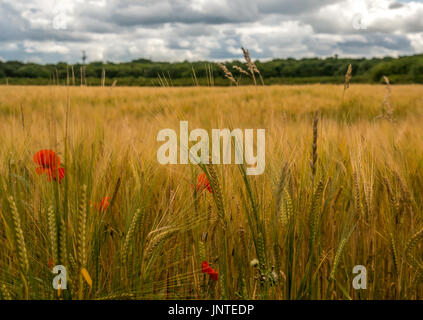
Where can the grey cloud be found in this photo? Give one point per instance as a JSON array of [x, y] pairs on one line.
[[380, 21], [289, 7], [373, 41], [129, 13], [15, 28], [394, 23], [395, 5], [192, 29], [11, 23]]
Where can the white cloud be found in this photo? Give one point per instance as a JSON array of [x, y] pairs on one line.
[[416, 41], [58, 30]]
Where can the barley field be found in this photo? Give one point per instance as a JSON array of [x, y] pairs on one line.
[[342, 187]]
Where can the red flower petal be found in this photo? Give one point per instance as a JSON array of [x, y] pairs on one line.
[[55, 174], [39, 170], [214, 275], [205, 268], [203, 182], [61, 172], [104, 204], [46, 159]]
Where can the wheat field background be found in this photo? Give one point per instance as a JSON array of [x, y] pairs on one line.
[[353, 197]]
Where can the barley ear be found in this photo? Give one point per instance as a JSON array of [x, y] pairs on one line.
[[227, 73], [394, 249], [202, 250], [338, 254], [20, 240], [286, 209], [261, 252], [52, 228], [82, 228], [409, 248], [217, 191], [136, 219], [315, 212], [347, 80], [313, 160]]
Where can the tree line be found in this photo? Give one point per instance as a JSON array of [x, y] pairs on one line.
[[406, 69]]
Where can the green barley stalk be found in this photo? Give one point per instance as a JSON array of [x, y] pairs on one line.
[[411, 258], [356, 194], [313, 160], [409, 248], [261, 252], [82, 228], [82, 238], [20, 240], [286, 208], [156, 241], [315, 213], [63, 242], [348, 229], [394, 250], [136, 220], [212, 176], [217, 192], [52, 228], [202, 250], [244, 244], [337, 259]]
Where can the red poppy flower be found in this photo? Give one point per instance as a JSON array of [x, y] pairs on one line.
[[49, 163], [46, 159], [214, 275], [205, 268], [203, 182], [104, 204], [55, 174]]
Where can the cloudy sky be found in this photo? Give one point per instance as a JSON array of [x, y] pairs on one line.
[[175, 30]]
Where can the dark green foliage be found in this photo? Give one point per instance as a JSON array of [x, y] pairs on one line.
[[145, 72]]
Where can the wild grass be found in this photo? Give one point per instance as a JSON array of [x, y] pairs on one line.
[[340, 189]]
